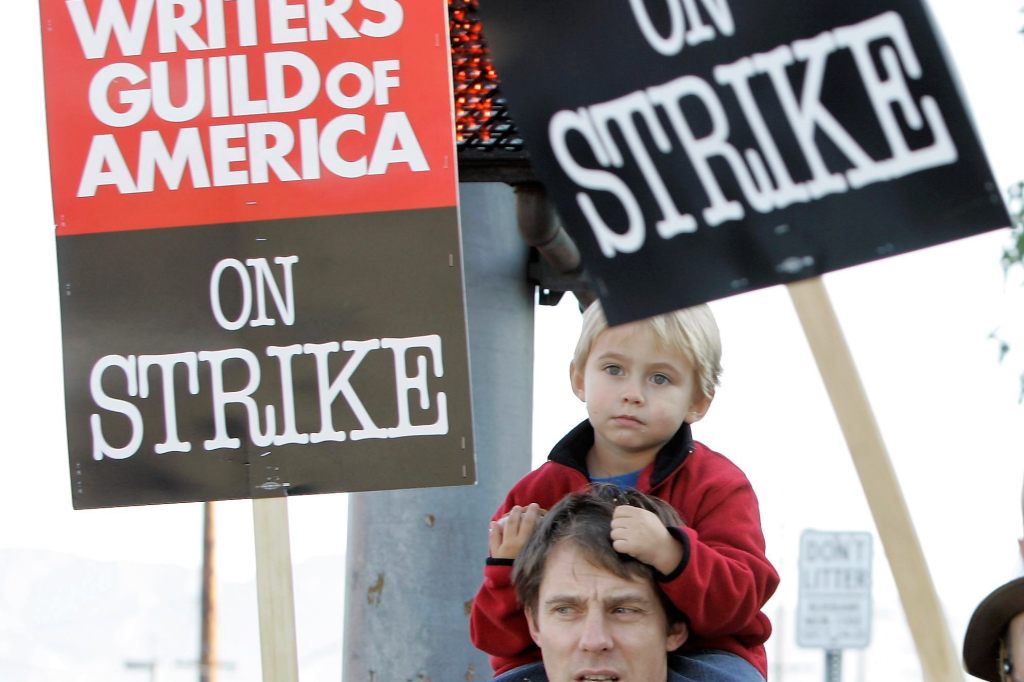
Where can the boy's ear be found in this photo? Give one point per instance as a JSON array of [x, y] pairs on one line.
[[698, 408], [576, 379]]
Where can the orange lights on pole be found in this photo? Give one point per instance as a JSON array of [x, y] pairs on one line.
[[488, 143]]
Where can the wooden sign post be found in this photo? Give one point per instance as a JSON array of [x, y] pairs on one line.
[[939, 659], [274, 591]]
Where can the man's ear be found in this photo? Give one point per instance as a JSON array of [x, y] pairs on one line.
[[534, 631], [698, 408], [576, 379], [678, 633], [1021, 543]]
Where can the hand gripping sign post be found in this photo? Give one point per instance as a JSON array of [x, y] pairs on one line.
[[696, 149], [259, 257]]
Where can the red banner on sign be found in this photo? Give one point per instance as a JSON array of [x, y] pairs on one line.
[[192, 113]]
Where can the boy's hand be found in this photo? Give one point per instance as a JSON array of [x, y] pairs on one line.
[[508, 534], [641, 534]]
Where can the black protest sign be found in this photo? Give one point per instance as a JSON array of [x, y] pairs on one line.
[[700, 148]]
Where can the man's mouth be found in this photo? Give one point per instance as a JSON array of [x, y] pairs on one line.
[[597, 677]]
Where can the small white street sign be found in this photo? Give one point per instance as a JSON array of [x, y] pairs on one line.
[[834, 606]]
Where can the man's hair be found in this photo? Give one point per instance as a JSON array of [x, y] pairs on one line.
[[691, 331], [583, 519]]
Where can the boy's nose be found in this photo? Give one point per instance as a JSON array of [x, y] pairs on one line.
[[631, 393]]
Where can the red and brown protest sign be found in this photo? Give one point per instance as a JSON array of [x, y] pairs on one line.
[[296, 324]]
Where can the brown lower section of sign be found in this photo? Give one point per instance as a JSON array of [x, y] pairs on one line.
[[273, 358]]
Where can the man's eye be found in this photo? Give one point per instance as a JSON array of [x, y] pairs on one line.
[[661, 379], [627, 612], [564, 610]]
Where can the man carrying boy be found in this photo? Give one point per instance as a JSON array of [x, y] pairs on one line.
[[644, 383], [595, 613]]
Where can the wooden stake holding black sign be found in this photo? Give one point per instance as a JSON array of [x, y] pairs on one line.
[[939, 659]]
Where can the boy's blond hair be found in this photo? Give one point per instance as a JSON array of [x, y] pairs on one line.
[[691, 331]]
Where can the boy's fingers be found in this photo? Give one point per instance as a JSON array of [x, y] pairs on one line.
[[622, 545], [494, 536], [620, 535], [512, 519], [622, 524], [519, 521], [624, 511]]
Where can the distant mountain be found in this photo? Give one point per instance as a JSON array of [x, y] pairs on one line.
[[68, 619]]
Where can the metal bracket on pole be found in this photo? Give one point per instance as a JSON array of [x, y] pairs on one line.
[[560, 267]]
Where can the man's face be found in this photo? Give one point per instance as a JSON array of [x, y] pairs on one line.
[[594, 626], [638, 393], [1015, 648]]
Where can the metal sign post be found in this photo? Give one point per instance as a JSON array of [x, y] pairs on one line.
[[833, 665]]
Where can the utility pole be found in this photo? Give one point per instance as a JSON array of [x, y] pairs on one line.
[[416, 557]]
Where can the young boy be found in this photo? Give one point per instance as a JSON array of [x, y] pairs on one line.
[[644, 383]]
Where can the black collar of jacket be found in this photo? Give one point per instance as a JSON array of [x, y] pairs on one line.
[[573, 448]]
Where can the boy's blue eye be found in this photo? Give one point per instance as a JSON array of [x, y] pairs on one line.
[[614, 370], [660, 379]]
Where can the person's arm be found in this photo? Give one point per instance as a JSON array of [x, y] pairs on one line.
[[497, 625], [724, 578]]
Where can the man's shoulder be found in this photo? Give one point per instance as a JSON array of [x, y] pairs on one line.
[[534, 672], [531, 672]]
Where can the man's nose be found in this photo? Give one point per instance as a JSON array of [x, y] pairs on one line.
[[596, 635]]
